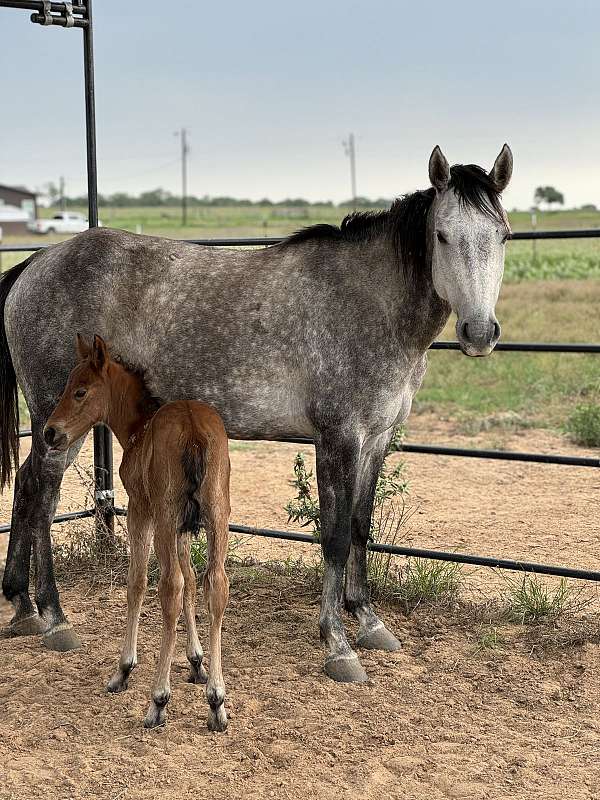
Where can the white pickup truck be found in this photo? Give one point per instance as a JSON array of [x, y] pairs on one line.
[[63, 222]]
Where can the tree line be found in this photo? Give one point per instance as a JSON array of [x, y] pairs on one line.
[[161, 197]]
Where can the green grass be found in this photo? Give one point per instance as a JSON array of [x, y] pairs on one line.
[[584, 425], [530, 600]]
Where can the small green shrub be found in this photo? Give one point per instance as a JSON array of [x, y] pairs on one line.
[[584, 425], [529, 599], [426, 580], [491, 639]]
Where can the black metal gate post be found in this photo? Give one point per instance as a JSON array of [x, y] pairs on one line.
[[104, 493], [78, 14]]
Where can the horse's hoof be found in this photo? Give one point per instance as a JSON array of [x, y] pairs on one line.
[[33, 625], [378, 639], [345, 669], [61, 638]]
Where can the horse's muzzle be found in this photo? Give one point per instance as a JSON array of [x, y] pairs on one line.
[[477, 337]]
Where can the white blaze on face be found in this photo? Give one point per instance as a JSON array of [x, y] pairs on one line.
[[468, 255]]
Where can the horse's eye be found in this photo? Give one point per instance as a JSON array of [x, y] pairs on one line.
[[441, 238], [505, 238], [80, 394]]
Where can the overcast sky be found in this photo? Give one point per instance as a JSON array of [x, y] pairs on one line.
[[270, 89]]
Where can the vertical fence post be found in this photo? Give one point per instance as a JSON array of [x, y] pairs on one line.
[[103, 466]]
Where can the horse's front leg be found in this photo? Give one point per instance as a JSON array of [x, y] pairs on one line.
[[337, 472], [372, 633]]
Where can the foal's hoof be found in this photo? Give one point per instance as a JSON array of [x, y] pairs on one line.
[[217, 719], [118, 683], [156, 717], [61, 638], [33, 625], [378, 639], [345, 669], [197, 674]]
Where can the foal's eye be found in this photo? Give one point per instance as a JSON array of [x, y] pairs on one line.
[[441, 238], [80, 394]]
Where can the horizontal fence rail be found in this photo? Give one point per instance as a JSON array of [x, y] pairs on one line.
[[542, 458], [265, 241], [419, 552]]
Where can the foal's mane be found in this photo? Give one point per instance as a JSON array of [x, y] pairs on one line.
[[148, 402], [406, 220]]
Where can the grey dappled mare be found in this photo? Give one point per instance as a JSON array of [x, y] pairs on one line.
[[324, 335]]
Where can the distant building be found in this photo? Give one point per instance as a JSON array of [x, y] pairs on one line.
[[17, 207]]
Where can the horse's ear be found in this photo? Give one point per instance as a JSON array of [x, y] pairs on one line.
[[100, 355], [439, 169], [83, 348], [502, 170]]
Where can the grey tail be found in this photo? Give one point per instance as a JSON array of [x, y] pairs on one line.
[[192, 461], [9, 398]]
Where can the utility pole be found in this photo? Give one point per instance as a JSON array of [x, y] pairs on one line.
[[350, 150], [184, 154]]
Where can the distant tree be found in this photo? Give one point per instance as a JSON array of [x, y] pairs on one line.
[[588, 207], [548, 194]]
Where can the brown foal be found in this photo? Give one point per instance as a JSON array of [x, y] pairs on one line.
[[175, 469]]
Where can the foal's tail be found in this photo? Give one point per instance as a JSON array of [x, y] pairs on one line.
[[193, 464], [9, 400]]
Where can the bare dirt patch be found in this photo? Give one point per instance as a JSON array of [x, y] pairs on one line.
[[440, 719]]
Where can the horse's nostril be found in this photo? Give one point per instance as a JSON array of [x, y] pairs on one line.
[[49, 434], [464, 329], [497, 331]]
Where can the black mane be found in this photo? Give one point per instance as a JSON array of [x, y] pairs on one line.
[[406, 220]]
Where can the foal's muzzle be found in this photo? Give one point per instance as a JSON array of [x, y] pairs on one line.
[[477, 337], [55, 439]]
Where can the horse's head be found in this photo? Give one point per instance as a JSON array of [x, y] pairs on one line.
[[85, 399], [468, 229]]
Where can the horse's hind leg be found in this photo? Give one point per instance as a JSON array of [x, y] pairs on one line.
[[37, 490], [194, 648], [26, 621], [139, 530], [372, 632], [216, 596], [170, 590]]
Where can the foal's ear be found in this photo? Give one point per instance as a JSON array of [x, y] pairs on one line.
[[83, 348], [100, 355], [439, 169], [502, 170]]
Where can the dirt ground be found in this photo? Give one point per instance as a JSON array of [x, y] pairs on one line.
[[444, 718]]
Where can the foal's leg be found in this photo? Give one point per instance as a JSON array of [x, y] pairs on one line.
[[372, 633], [216, 596], [194, 648], [337, 469], [140, 534], [170, 590]]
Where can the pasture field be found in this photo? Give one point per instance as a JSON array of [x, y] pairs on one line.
[[551, 292]]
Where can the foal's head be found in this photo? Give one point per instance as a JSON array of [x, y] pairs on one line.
[[469, 228], [85, 400]]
